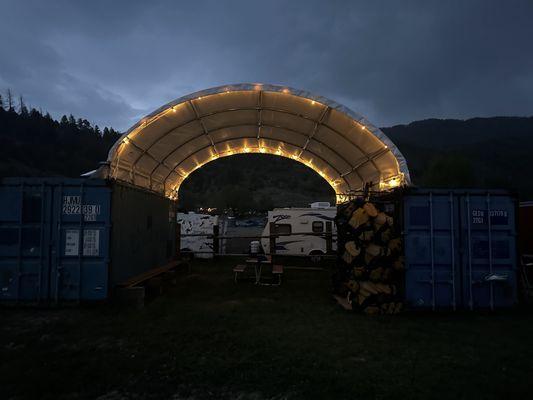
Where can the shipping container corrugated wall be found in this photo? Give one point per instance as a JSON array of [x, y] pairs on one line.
[[74, 239], [460, 249], [143, 231]]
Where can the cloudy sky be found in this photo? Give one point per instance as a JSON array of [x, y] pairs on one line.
[[393, 61]]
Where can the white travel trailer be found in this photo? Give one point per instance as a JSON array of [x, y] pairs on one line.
[[193, 223], [316, 219]]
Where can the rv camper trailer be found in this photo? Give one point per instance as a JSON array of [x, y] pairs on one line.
[[193, 223], [290, 221]]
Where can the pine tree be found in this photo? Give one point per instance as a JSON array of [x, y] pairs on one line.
[[23, 110], [9, 100], [1, 102], [64, 120]]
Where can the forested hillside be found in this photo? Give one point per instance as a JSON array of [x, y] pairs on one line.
[[480, 152], [34, 144]]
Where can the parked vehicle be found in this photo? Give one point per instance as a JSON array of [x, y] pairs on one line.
[[297, 222], [193, 223]]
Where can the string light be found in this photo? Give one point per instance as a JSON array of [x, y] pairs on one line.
[[391, 183]]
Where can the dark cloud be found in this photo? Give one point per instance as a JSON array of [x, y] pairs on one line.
[[392, 61]]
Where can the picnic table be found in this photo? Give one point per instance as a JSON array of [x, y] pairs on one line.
[[257, 263]]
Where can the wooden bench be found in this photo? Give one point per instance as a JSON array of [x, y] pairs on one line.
[[131, 292], [151, 273]]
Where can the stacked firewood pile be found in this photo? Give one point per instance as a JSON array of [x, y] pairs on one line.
[[369, 271]]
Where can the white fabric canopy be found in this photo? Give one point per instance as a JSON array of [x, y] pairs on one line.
[[162, 149]]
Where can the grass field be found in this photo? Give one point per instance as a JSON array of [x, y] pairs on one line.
[[209, 338]]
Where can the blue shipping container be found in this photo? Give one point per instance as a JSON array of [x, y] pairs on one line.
[[54, 240], [460, 249], [56, 237]]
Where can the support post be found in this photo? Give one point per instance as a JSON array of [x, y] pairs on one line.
[[273, 231], [216, 241], [329, 238], [178, 241]]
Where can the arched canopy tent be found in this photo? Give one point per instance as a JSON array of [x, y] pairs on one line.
[[162, 149]]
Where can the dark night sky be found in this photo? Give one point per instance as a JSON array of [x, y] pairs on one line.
[[393, 61]]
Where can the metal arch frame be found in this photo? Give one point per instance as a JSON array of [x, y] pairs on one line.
[[164, 182], [317, 123], [341, 157], [114, 156], [199, 119]]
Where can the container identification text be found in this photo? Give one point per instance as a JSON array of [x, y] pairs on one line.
[[72, 206]]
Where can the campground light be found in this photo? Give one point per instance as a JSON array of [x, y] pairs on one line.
[[246, 150], [262, 150], [313, 102]]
